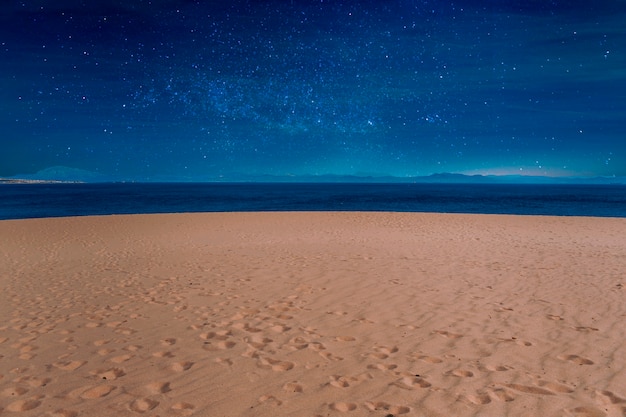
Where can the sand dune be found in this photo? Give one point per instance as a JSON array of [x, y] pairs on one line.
[[313, 314]]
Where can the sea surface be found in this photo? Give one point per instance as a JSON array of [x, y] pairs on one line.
[[19, 201]]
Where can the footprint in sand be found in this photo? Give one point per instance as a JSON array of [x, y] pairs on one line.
[[133, 348], [257, 341], [342, 407], [221, 345], [183, 408], [20, 370], [386, 350], [142, 405], [279, 328], [163, 354], [337, 313], [251, 353], [585, 412], [63, 413], [27, 348], [224, 361], [578, 360], [429, 359], [516, 341], [382, 366], [411, 382], [555, 387], [339, 381], [494, 368], [125, 331], [377, 355], [158, 387], [68, 365], [480, 398], [502, 395], [529, 389], [97, 392], [447, 334], [293, 387], [221, 335], [311, 331], [383, 406], [247, 328], [23, 405], [298, 343], [584, 329], [245, 313], [317, 346], [181, 366], [13, 391], [345, 339], [178, 309], [275, 365], [168, 342], [364, 320], [461, 373], [121, 358], [329, 356], [270, 399], [32, 381], [109, 374], [608, 397]]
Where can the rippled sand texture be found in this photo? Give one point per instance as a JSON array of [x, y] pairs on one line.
[[313, 314]]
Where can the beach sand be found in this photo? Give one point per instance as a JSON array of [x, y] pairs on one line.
[[313, 314]]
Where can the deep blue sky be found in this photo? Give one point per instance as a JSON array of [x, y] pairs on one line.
[[191, 89]]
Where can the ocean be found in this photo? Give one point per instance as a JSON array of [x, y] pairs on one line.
[[20, 201]]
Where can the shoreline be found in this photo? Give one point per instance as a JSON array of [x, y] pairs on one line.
[[313, 313], [314, 212]]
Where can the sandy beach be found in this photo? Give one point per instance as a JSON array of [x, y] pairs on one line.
[[313, 314]]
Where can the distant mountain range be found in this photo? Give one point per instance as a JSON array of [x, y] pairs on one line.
[[59, 174], [68, 174]]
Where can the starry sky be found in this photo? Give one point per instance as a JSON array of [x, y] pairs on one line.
[[201, 89]]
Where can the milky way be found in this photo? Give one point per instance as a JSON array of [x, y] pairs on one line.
[[182, 89]]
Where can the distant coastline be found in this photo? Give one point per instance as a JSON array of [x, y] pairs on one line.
[[63, 175], [28, 181]]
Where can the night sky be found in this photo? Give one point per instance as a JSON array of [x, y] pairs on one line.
[[202, 89]]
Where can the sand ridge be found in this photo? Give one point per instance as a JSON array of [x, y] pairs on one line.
[[314, 314]]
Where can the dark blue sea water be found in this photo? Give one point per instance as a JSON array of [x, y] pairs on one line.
[[54, 200]]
